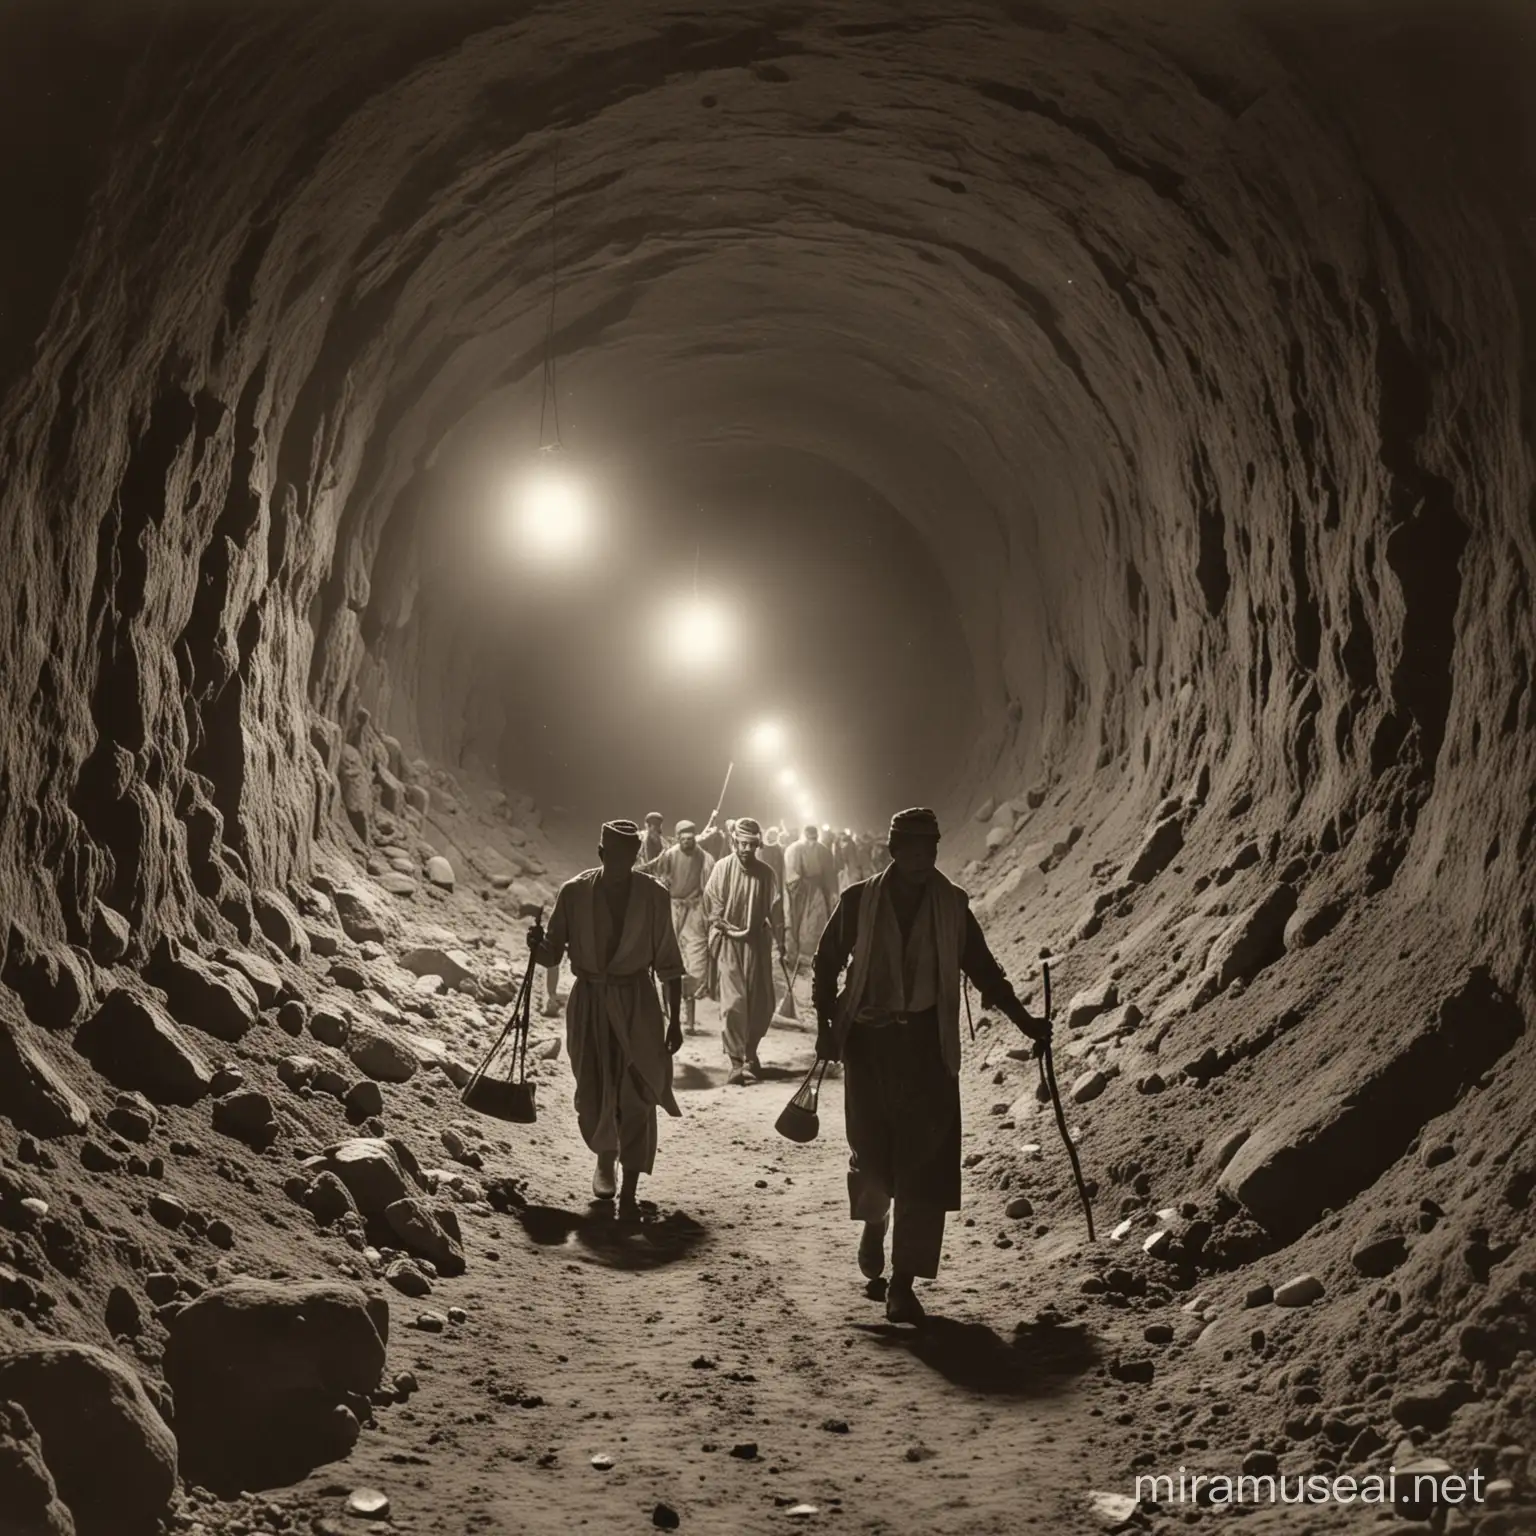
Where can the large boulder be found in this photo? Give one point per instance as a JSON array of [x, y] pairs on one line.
[[27, 1494], [1158, 850], [132, 1042], [54, 985], [110, 1453], [440, 872], [280, 921], [452, 965], [1320, 1149], [421, 1231], [359, 915], [382, 1057], [33, 1096], [369, 1169], [203, 994], [1256, 939], [1090, 1003], [260, 1372], [263, 976], [111, 935]]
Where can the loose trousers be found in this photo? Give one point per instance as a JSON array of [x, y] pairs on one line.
[[902, 1110]]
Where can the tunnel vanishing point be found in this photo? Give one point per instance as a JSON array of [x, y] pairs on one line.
[[1196, 342]]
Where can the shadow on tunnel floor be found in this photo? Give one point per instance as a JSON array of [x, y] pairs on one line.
[[601, 1234], [1038, 1361]]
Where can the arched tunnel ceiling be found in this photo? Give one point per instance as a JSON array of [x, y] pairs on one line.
[[1190, 347], [1161, 337]]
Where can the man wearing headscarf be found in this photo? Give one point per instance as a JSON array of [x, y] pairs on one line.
[[810, 887], [746, 921], [682, 869], [772, 854], [617, 929], [910, 935], [653, 841]]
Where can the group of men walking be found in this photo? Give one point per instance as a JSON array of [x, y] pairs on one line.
[[890, 950]]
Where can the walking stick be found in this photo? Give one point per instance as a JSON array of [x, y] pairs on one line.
[[1048, 1077], [789, 987], [714, 815]]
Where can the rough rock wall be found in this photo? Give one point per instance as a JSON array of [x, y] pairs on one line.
[[1201, 359]]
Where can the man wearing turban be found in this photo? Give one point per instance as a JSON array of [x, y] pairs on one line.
[[810, 882], [653, 841], [907, 936], [617, 929], [683, 869], [746, 922]]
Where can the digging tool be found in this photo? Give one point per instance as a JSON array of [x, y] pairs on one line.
[[791, 1012], [1048, 1078]]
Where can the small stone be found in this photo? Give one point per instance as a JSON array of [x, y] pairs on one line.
[[368, 1503], [1261, 1463], [1259, 1296], [1379, 1254], [226, 1080], [33, 1206], [160, 1287], [457, 1315], [168, 1211], [407, 1277], [364, 1099], [292, 1017], [95, 1158], [665, 1518], [405, 1383], [835, 1426], [246, 1115], [745, 1450], [431, 1322], [1157, 1243], [1112, 1509], [329, 1028], [1089, 1086], [221, 1234], [601, 1462], [440, 872], [801, 1511], [1158, 1333], [1301, 1291], [1019, 1207]]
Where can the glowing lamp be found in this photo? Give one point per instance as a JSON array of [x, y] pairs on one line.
[[552, 522], [788, 778], [767, 737], [697, 633]]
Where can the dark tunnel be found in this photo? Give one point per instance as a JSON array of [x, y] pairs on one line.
[[1118, 419]]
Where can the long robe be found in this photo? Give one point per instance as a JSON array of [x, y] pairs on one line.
[[746, 917], [614, 1028], [901, 1093], [810, 876], [683, 875]]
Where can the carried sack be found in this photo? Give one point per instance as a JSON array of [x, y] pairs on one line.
[[511, 1097], [798, 1119]]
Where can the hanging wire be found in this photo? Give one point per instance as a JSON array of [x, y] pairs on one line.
[[550, 399]]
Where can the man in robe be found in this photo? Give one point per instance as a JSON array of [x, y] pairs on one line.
[[715, 840], [746, 921], [772, 854], [683, 869], [653, 841], [910, 935], [617, 929], [810, 888]]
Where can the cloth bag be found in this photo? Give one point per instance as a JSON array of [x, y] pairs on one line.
[[798, 1119]]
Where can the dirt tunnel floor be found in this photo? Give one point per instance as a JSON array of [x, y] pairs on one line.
[[731, 1315]]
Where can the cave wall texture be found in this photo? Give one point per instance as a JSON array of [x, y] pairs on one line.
[[1196, 341]]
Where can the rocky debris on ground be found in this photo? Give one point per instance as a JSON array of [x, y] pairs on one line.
[[112, 1458], [267, 1377], [360, 915], [427, 1233], [371, 1170], [134, 1044], [54, 984], [35, 1095], [203, 994], [247, 1115], [380, 1055]]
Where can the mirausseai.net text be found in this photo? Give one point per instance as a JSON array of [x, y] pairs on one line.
[[1311, 1488]]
